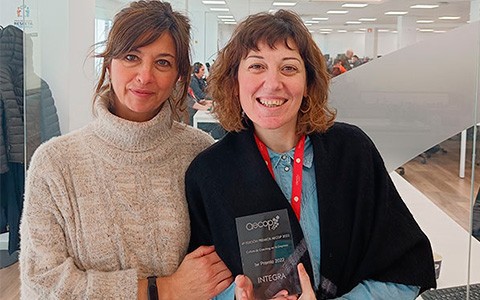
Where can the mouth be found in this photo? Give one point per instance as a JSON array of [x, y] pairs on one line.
[[271, 103], [141, 92]]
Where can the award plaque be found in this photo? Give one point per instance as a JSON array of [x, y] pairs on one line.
[[268, 255]]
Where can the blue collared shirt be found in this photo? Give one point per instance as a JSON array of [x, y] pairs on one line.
[[309, 222]]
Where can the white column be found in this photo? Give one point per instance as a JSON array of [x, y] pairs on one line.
[[66, 33], [474, 10], [211, 37], [407, 31], [371, 43]]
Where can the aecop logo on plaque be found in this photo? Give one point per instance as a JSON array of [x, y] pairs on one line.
[[270, 224]]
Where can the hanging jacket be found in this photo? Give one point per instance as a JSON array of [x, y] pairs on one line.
[[28, 117]]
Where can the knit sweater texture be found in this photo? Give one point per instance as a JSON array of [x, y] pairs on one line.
[[105, 205]]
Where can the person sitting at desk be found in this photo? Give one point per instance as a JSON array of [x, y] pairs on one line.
[[198, 83], [193, 105]]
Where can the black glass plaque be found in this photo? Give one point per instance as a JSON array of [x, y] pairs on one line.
[[268, 255]]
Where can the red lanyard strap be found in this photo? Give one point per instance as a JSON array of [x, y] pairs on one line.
[[296, 200]]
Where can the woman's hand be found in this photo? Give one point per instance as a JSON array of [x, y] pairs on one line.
[[244, 288], [307, 290], [201, 275]]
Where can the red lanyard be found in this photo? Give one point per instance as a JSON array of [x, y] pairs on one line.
[[296, 200]]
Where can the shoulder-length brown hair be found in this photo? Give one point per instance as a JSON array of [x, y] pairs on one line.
[[138, 25], [282, 26]]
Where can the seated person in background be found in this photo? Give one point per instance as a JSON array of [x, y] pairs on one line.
[[356, 61], [338, 68], [193, 105], [354, 235], [198, 83]]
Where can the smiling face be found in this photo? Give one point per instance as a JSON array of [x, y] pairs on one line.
[[272, 84], [143, 79]]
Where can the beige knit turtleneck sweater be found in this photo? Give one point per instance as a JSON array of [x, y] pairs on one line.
[[104, 206]]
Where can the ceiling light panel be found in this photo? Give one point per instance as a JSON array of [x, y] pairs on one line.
[[219, 9], [355, 5], [213, 2], [284, 3], [449, 18], [424, 6], [396, 13], [337, 12], [367, 19]]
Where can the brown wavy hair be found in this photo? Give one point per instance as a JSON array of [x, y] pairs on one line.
[[282, 26], [138, 25]]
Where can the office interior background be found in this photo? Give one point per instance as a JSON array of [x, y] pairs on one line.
[[419, 91]]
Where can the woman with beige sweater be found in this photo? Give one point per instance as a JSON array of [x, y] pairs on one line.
[[105, 215]]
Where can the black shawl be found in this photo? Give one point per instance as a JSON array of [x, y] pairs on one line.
[[366, 229]]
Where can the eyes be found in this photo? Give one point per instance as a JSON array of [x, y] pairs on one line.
[[131, 59], [287, 69]]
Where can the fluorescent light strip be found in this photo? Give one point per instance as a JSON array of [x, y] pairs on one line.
[[448, 18], [284, 3], [355, 5], [424, 6], [319, 19], [326, 29], [225, 17], [383, 30], [337, 12], [341, 31], [219, 9], [353, 22], [425, 21], [230, 23], [367, 19], [312, 22], [396, 13], [425, 30], [213, 2]]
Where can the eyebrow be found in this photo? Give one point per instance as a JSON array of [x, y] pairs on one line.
[[262, 57], [163, 54]]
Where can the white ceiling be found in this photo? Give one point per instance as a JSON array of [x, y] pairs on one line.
[[375, 9], [315, 8]]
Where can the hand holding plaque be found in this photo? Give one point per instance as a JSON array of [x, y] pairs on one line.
[[268, 255]]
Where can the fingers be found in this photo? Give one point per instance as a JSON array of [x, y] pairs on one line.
[[307, 290], [243, 288], [222, 285], [304, 278], [201, 251]]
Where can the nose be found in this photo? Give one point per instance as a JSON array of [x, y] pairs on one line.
[[273, 80], [145, 74]]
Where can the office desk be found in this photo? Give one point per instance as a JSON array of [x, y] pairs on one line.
[[203, 116], [448, 238]]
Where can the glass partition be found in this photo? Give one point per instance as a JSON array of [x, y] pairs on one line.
[[414, 103], [419, 104]]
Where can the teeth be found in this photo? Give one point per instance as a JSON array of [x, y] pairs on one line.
[[271, 103]]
